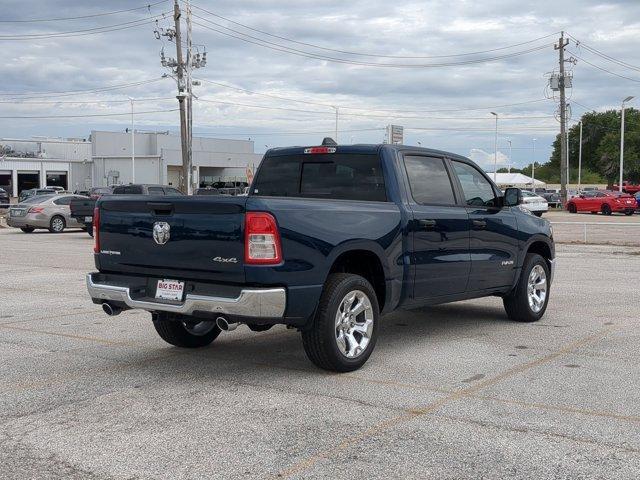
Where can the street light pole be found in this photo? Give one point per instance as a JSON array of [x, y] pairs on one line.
[[510, 156], [580, 160], [495, 150], [628, 99], [336, 133], [533, 167], [133, 146]]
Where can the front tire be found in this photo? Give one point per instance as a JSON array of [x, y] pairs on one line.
[[185, 332], [628, 213], [57, 224], [345, 327], [537, 214], [528, 301], [27, 229], [606, 209]]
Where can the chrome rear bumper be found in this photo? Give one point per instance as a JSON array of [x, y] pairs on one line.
[[252, 302]]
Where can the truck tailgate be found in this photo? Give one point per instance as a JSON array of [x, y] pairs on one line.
[[196, 237]]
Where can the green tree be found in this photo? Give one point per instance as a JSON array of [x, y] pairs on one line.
[[601, 146]]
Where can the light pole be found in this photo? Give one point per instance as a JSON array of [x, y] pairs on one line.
[[133, 146], [580, 160], [533, 167], [628, 99], [510, 157], [495, 150], [336, 109]]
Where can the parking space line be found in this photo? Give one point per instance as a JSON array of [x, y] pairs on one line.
[[306, 464]]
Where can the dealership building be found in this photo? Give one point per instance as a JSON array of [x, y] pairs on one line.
[[105, 158]]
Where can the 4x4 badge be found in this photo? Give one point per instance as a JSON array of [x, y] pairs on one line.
[[161, 232]]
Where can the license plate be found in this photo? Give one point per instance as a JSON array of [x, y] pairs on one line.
[[170, 290], [17, 213], [88, 219]]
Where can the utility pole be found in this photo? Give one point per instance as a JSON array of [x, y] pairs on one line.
[[495, 150], [533, 167], [133, 146], [628, 99], [510, 156], [182, 68], [563, 119], [580, 160], [568, 156], [336, 133], [182, 96]]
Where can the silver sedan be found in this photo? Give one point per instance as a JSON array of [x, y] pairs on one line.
[[45, 211]]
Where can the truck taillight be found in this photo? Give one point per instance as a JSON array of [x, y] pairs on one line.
[[96, 230], [261, 239]]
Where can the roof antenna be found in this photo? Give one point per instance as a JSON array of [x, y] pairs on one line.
[[329, 141]]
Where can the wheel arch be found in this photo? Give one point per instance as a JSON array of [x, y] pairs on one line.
[[366, 261]]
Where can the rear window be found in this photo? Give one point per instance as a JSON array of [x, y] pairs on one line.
[[333, 176], [128, 190], [38, 199]]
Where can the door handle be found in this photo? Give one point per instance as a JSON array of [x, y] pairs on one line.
[[479, 224], [426, 224]]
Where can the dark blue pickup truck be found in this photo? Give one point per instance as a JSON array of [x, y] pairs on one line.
[[328, 239]]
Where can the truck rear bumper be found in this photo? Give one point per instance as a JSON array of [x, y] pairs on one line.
[[251, 302]]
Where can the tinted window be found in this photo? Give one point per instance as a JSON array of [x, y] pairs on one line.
[[429, 180], [172, 191], [476, 188], [335, 176], [101, 191], [128, 190], [156, 191], [38, 199], [63, 200]]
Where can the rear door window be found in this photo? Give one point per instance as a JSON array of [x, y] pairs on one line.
[[63, 200], [331, 176], [156, 191], [429, 180], [128, 190]]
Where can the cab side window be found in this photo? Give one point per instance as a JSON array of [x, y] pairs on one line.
[[477, 190]]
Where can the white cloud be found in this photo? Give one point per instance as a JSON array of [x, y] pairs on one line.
[[486, 159]]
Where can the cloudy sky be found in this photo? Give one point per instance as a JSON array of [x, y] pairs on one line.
[[380, 62]]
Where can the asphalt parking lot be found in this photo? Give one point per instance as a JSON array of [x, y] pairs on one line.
[[454, 391]]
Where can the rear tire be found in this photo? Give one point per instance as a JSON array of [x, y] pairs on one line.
[[606, 209], [528, 301], [185, 332], [345, 327], [57, 224], [572, 208], [27, 229], [628, 213], [537, 214]]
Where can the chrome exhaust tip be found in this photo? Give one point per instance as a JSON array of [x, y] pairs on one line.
[[225, 326], [111, 310]]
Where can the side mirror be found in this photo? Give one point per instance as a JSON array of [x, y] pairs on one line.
[[512, 197]]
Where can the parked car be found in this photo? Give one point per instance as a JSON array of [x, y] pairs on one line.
[[207, 191], [5, 198], [82, 208], [43, 211], [230, 191], [35, 191], [551, 196], [328, 239], [638, 201], [534, 203], [627, 187], [606, 202]]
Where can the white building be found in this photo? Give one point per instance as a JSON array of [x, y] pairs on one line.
[[106, 159]]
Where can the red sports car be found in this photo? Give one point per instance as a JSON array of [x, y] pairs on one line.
[[599, 201]]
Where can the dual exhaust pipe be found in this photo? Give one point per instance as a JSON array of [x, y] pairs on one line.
[[222, 323]]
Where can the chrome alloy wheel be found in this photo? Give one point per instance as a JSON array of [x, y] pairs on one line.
[[57, 224], [199, 328], [354, 324], [537, 288]]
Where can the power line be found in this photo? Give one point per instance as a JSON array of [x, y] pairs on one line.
[[365, 115], [367, 54], [82, 102], [581, 44], [26, 95], [104, 14], [252, 92], [604, 69], [283, 48], [85, 115], [83, 32]]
